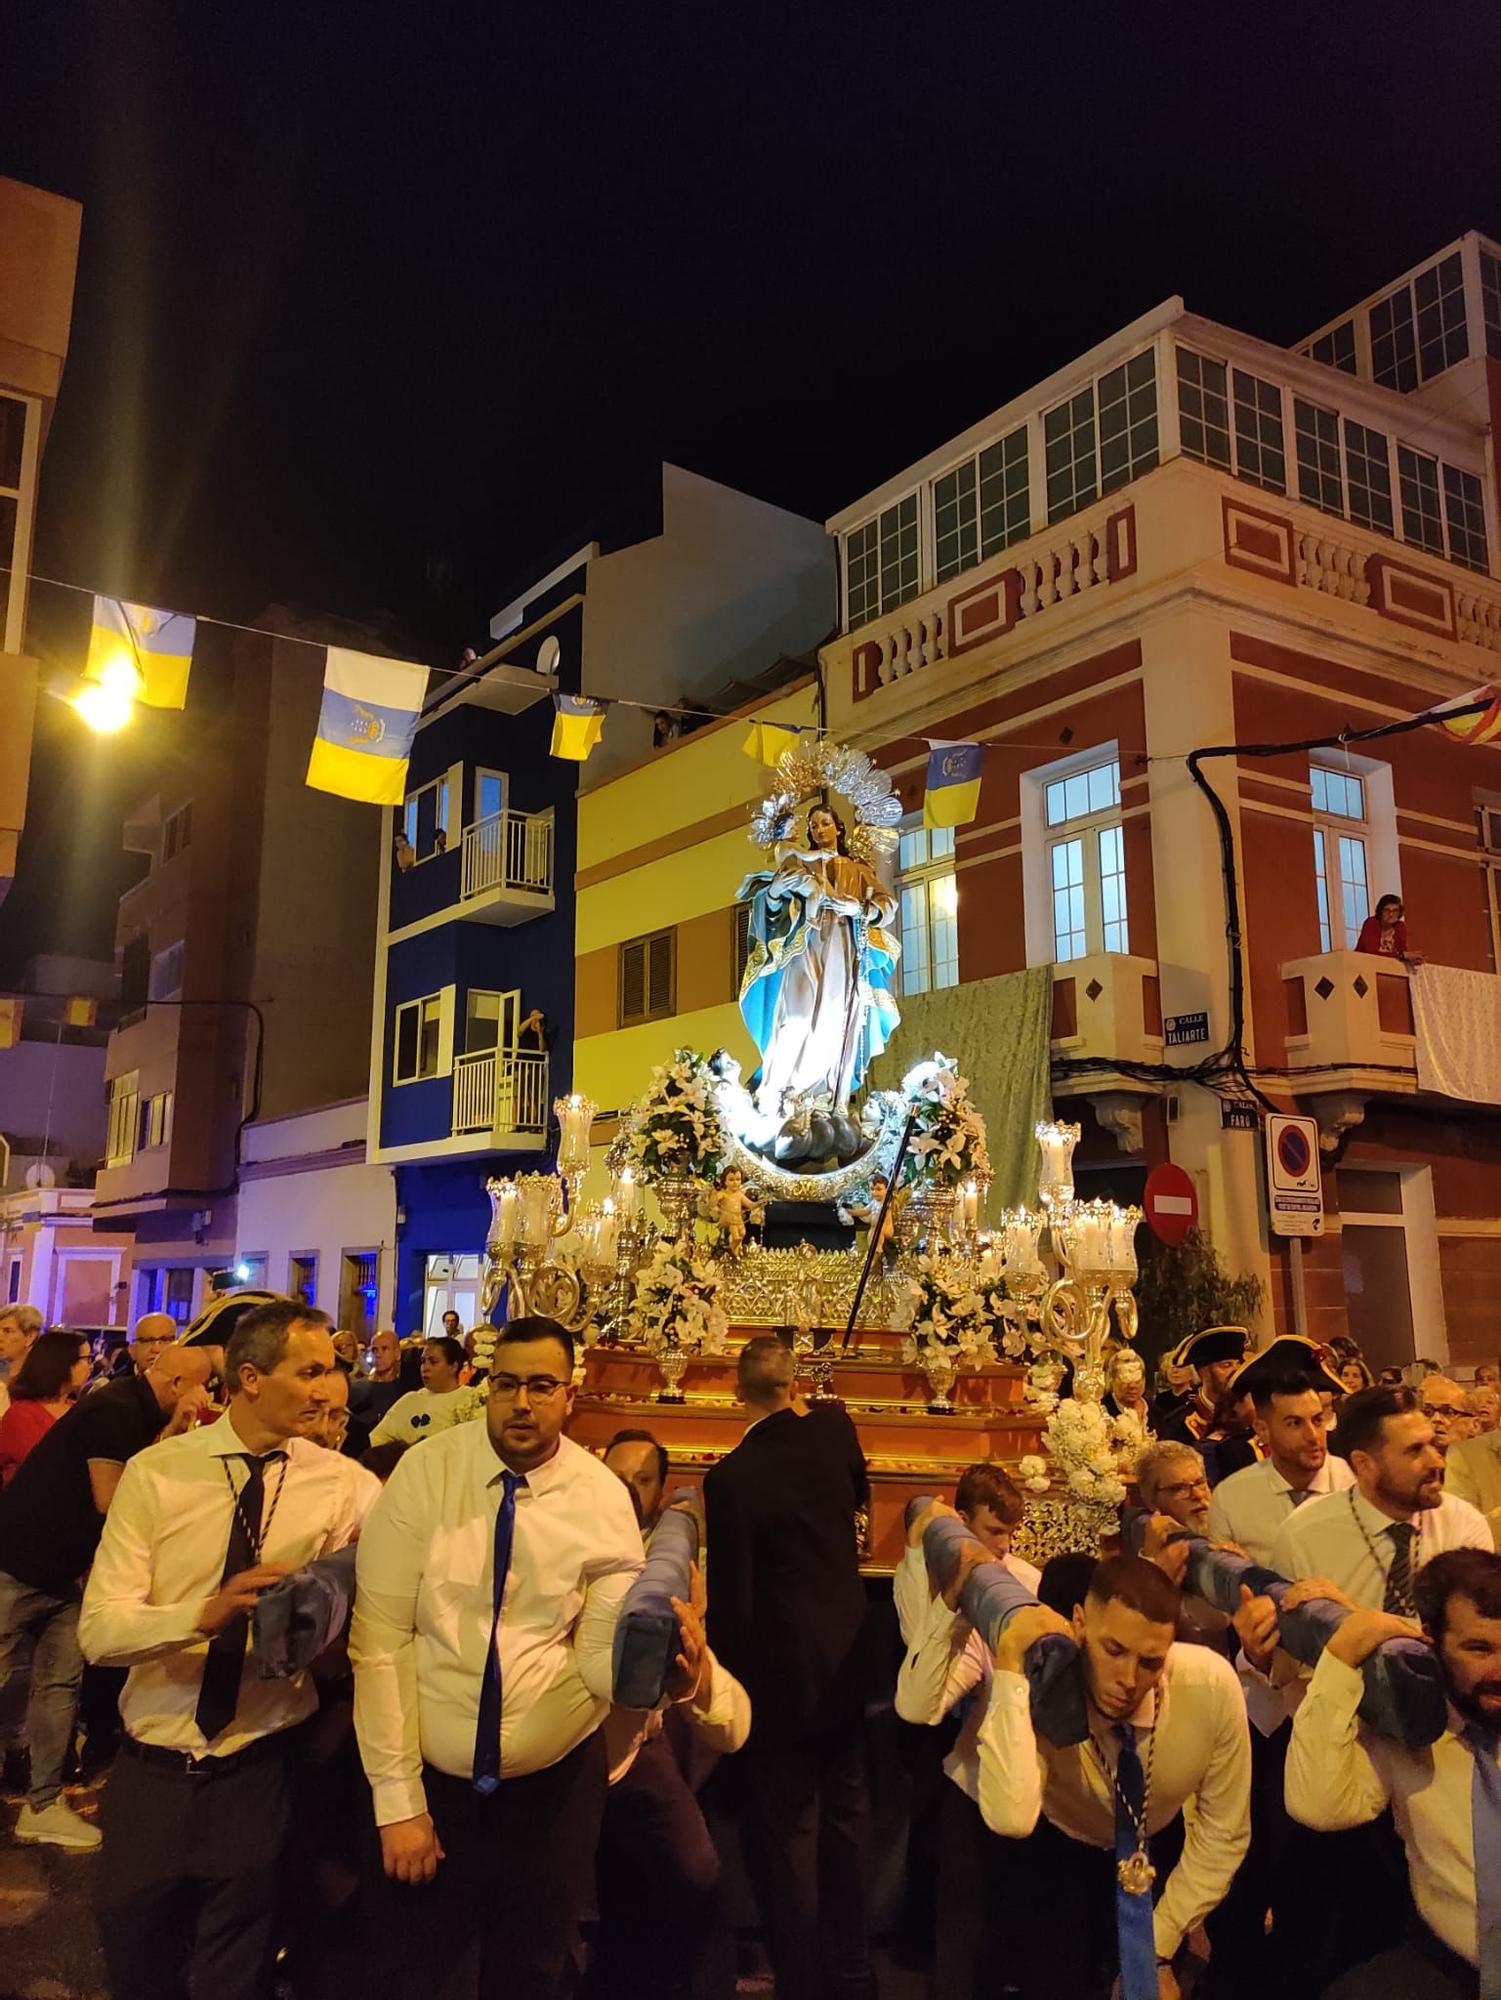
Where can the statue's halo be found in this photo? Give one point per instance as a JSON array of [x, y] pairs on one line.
[[802, 774]]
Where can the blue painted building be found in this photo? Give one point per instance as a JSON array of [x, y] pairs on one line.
[[683, 594]]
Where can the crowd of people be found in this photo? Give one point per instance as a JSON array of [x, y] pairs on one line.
[[443, 1798]]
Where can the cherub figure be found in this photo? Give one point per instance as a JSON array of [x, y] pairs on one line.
[[870, 1215], [732, 1205]]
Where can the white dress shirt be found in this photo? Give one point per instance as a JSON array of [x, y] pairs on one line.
[[162, 1555], [1339, 1775], [1201, 1766], [1325, 1538], [947, 1663], [423, 1610], [721, 1720], [1250, 1506], [422, 1413]]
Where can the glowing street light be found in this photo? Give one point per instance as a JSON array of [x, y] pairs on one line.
[[105, 706]]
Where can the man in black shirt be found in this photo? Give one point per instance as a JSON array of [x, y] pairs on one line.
[[51, 1517]]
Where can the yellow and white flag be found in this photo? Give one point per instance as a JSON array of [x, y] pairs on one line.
[[10, 1023], [766, 741], [365, 727]]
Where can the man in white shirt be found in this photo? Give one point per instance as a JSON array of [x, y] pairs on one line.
[[196, 1811], [1446, 1799], [1373, 1538], [1167, 1727], [945, 1678], [490, 1579], [1282, 1874]]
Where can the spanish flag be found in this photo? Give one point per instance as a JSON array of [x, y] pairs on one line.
[[365, 727], [82, 1013], [145, 653], [576, 727], [767, 741], [10, 1023], [1481, 725], [951, 796]]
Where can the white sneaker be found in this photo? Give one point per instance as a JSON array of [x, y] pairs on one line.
[[56, 1825]]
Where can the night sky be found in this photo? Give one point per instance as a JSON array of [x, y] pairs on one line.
[[377, 301]]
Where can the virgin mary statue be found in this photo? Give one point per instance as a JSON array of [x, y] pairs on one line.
[[817, 995]]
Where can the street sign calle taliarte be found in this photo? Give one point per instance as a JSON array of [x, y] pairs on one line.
[[1179, 1030]]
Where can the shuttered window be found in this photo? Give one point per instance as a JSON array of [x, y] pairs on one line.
[[648, 978]]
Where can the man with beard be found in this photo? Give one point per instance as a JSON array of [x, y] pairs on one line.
[[1167, 1729], [1446, 1799], [1285, 1382], [1374, 1538]]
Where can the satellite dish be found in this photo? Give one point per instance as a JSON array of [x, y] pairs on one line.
[[40, 1175]]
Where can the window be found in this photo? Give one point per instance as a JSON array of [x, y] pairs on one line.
[[1203, 408], [156, 1119], [1336, 348], [1128, 421], [124, 1112], [425, 819], [166, 973], [490, 1020], [1394, 348], [176, 830], [930, 903], [1260, 455], [1069, 452], [13, 416], [419, 1031], [1490, 302], [1316, 441], [359, 1292], [302, 1278], [648, 978], [739, 947], [1005, 502], [1443, 337], [13, 1285], [1464, 510], [881, 566], [956, 526], [253, 1264], [1341, 875], [177, 1293], [1086, 863], [1368, 470], [1417, 485], [489, 794]]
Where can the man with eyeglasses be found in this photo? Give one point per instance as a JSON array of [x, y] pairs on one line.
[[1447, 1407], [491, 1575], [151, 1334]]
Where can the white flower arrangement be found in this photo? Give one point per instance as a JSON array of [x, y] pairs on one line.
[[954, 1303], [1094, 1451], [1033, 1473], [678, 1300], [674, 1125], [949, 1142]]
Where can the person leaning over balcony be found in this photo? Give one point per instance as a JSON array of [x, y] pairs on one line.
[[1385, 933]]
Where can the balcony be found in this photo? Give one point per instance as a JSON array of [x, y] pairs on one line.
[[1108, 1008], [1351, 1011], [507, 868], [500, 1098]]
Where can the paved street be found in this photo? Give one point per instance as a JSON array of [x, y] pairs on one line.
[[48, 1950]]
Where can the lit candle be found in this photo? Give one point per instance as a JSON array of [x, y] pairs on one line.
[[626, 1195], [575, 1118], [970, 1198], [1057, 1143], [1019, 1240], [537, 1191], [505, 1214], [607, 1231]]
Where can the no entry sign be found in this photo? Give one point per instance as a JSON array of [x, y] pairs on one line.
[[1171, 1202]]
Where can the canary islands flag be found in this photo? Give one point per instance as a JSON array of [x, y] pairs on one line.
[[10, 1023], [767, 740], [952, 792], [1481, 725], [143, 652], [365, 727], [576, 727], [82, 1013]]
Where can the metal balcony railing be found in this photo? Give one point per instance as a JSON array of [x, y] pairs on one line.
[[508, 851], [500, 1090]]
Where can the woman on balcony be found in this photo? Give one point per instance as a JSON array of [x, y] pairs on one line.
[[1385, 934]]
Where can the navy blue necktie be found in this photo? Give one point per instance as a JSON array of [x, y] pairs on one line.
[[487, 1729], [1134, 1929], [224, 1665]]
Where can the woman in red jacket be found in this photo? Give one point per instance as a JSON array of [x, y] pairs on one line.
[[1385, 934], [48, 1380]]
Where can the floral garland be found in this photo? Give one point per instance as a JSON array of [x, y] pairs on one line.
[[674, 1126], [678, 1300], [1095, 1452], [949, 1140]]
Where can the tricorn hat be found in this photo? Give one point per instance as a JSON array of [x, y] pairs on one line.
[[1288, 1354], [222, 1315], [1211, 1343]]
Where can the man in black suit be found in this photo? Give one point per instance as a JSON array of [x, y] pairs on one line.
[[786, 1612]]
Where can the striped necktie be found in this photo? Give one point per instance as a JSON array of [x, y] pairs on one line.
[[1398, 1597]]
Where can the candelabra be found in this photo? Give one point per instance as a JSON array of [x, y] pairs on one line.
[[1095, 1243], [529, 1215]]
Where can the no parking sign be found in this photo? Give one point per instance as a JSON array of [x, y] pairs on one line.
[[1294, 1184]]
